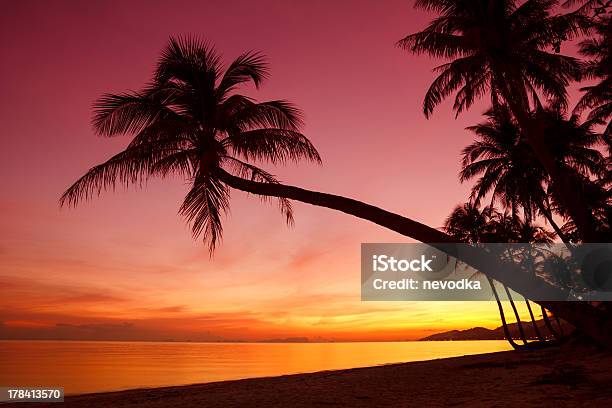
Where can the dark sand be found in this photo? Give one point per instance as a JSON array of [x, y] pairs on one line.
[[567, 376]]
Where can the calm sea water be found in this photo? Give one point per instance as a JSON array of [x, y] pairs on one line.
[[83, 367]]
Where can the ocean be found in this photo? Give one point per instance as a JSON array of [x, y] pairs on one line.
[[97, 366]]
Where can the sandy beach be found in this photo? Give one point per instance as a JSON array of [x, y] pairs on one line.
[[564, 376]]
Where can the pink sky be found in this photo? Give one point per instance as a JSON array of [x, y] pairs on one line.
[[124, 265]]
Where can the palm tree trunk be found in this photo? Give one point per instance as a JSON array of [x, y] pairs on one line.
[[392, 221], [567, 188], [592, 321], [533, 322], [519, 324], [502, 316], [548, 215]]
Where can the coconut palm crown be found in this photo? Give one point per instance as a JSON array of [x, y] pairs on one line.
[[509, 50], [499, 47], [506, 168], [190, 121]]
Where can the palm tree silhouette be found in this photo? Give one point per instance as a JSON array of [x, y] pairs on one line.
[[190, 121], [469, 223], [525, 230], [598, 97], [506, 168], [503, 164], [500, 47]]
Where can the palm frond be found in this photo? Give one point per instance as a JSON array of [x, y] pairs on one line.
[[129, 112], [441, 6], [271, 114], [182, 163], [437, 44], [189, 60], [131, 166], [254, 173], [273, 145], [203, 207], [250, 66]]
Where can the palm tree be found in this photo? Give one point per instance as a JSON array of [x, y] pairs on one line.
[[500, 47], [524, 230], [469, 223], [506, 168], [190, 121], [598, 97], [527, 231], [503, 164]]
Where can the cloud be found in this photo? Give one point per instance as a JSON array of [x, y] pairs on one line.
[[29, 293], [171, 309]]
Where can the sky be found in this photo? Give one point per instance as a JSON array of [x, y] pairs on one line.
[[124, 266]]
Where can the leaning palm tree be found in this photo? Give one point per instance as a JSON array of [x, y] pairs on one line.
[[506, 170], [472, 224], [524, 230], [190, 121], [502, 48]]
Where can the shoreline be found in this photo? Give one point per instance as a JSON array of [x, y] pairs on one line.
[[570, 375], [416, 340]]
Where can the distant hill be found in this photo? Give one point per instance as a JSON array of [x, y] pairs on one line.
[[475, 333], [481, 333], [287, 340]]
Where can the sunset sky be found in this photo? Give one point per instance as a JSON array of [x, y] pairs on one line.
[[124, 266]]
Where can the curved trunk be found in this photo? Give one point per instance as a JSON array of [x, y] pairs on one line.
[[502, 316], [392, 221], [536, 329], [583, 316], [519, 324]]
